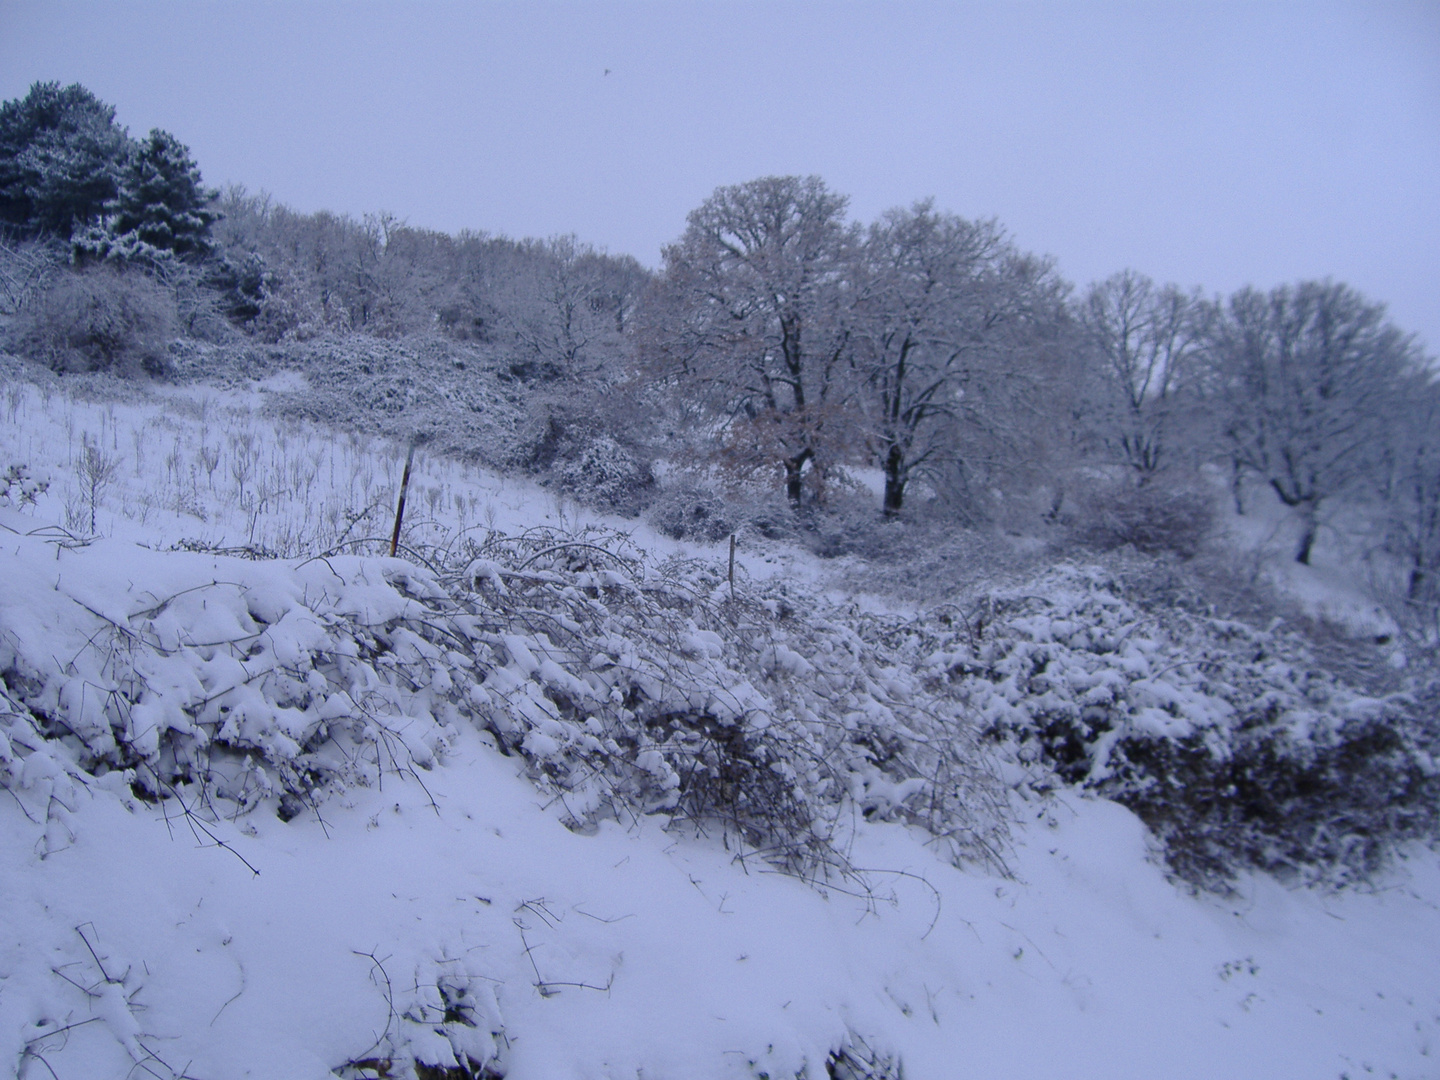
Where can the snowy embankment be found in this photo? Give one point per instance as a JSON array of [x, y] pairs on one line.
[[517, 808]]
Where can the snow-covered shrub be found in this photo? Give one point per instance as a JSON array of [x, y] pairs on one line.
[[771, 516], [858, 1060], [279, 685], [850, 523], [99, 319], [1229, 742], [20, 487], [763, 715], [625, 687], [606, 474], [564, 441], [371, 386], [1152, 518], [691, 512], [446, 1027]]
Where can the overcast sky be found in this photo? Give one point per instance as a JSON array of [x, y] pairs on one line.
[[1209, 144]]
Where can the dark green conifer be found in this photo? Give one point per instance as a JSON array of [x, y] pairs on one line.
[[61, 156], [163, 203]]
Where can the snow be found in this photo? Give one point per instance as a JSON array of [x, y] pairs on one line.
[[431, 902], [1328, 589], [1087, 964]]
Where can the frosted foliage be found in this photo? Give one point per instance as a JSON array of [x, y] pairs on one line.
[[1230, 742], [625, 686]]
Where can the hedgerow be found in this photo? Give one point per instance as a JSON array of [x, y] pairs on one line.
[[758, 713]]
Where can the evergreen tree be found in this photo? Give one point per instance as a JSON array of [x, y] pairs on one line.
[[162, 203], [61, 157]]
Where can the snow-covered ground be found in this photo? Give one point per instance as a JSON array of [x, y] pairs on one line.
[[1337, 586], [448, 911]]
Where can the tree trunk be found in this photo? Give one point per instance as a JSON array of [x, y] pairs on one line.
[[793, 488], [1307, 536], [1416, 588], [894, 481]]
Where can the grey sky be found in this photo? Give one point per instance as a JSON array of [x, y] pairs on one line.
[[1209, 144]]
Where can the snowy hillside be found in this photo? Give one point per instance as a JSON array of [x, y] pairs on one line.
[[542, 798]]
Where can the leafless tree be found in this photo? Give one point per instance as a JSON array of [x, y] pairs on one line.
[[27, 268], [1306, 377], [945, 312], [568, 305], [1144, 341], [1413, 501], [752, 314]]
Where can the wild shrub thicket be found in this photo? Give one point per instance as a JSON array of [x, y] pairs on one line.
[[767, 715], [1233, 744], [625, 687], [101, 319], [1154, 518]]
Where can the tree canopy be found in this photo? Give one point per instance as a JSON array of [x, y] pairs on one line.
[[61, 159], [68, 170]]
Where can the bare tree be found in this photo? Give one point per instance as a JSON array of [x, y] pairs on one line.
[[27, 269], [1144, 342], [751, 314], [944, 311], [569, 305], [1305, 378], [1413, 501]]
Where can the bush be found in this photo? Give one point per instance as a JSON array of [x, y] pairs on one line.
[[625, 687], [1150, 518], [1331, 807], [564, 441], [851, 524], [20, 487], [690, 512], [100, 319], [606, 474], [1230, 743]]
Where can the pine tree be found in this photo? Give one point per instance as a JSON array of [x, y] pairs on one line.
[[162, 203], [61, 157]]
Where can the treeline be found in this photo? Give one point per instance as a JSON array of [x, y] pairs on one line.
[[781, 341], [118, 243]]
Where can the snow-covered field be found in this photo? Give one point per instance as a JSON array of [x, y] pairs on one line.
[[433, 905]]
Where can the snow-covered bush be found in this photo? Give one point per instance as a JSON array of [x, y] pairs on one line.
[[764, 715], [688, 511], [850, 523], [20, 487], [564, 441], [625, 687], [99, 319], [606, 474], [1152, 518], [370, 386], [1229, 742]]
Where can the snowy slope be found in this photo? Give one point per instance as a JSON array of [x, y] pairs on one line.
[[447, 912], [1086, 964]]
